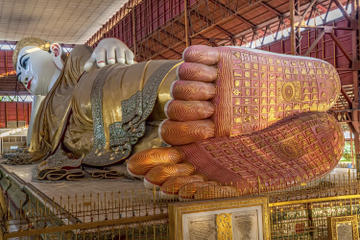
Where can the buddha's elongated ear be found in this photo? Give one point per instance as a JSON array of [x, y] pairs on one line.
[[56, 52]]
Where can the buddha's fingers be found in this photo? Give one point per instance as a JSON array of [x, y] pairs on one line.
[[189, 110], [211, 192], [173, 184], [187, 191], [159, 174], [197, 72], [140, 163], [202, 54], [192, 90], [180, 133]]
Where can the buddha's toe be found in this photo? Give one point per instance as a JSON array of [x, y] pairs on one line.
[[192, 90], [180, 110], [159, 174], [173, 184], [190, 113], [140, 163], [197, 72], [188, 191], [180, 133], [163, 167], [201, 54], [216, 191]]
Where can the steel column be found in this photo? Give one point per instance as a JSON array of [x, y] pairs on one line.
[[6, 116], [133, 29], [186, 21], [16, 114], [292, 27], [355, 64]]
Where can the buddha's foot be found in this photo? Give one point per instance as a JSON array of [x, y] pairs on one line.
[[230, 91], [223, 96], [295, 150]]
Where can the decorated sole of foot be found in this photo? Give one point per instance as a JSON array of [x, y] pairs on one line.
[[295, 150], [230, 91]]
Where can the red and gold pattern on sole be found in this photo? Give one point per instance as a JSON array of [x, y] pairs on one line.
[[256, 89], [295, 150]]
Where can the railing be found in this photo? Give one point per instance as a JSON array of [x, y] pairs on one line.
[[296, 213], [308, 219]]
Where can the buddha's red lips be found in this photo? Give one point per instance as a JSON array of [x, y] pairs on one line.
[[29, 84]]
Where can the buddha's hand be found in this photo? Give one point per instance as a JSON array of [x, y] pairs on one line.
[[110, 51]]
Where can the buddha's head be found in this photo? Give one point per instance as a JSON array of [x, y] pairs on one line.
[[36, 62]]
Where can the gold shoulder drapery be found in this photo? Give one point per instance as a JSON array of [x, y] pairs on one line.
[[51, 118]]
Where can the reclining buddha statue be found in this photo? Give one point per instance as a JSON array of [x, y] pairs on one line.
[[220, 115]]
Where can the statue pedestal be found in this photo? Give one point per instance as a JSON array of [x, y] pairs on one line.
[[33, 203]]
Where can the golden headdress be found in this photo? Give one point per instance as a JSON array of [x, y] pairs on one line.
[[29, 41]]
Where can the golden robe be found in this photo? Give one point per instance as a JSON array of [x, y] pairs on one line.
[[124, 103]]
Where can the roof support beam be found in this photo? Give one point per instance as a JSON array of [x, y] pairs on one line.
[[163, 45], [210, 40], [321, 7], [264, 35], [181, 24], [307, 10], [328, 10], [270, 8], [142, 45], [313, 45], [343, 11], [338, 43], [244, 20], [209, 22], [171, 35], [346, 96]]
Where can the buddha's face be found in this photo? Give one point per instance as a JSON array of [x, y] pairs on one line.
[[35, 69]]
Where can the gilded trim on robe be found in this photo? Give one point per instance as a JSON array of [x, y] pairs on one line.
[[121, 135]]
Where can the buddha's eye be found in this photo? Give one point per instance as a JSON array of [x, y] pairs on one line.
[[24, 62]]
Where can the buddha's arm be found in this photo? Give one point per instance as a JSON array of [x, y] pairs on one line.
[[34, 108]]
